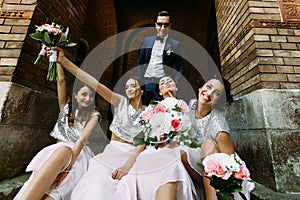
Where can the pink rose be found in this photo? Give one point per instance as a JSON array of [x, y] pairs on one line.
[[184, 107], [160, 108], [147, 113], [176, 124], [243, 174]]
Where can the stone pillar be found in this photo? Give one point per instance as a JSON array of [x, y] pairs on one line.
[[259, 50], [28, 103]]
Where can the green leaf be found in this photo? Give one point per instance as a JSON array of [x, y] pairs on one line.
[[201, 166], [139, 139], [62, 40], [195, 144], [47, 40], [37, 36]]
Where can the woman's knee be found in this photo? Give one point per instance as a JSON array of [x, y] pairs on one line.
[[63, 152]]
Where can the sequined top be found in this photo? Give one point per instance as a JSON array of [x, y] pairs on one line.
[[209, 126], [62, 131], [125, 123]]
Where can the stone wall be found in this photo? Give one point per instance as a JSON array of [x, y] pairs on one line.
[[259, 50], [265, 127], [28, 103]]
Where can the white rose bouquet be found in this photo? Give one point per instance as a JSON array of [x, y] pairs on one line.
[[50, 36], [166, 123]]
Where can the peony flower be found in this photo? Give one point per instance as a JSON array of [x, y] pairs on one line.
[[184, 107], [219, 164], [170, 102], [161, 123], [147, 113], [160, 108], [243, 174]]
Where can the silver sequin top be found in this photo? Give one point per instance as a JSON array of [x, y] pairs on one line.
[[62, 131], [209, 126], [125, 123]]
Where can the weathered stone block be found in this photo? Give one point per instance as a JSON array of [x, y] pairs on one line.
[[265, 126], [26, 118]]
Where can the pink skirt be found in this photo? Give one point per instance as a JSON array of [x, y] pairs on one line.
[[78, 169], [97, 183], [152, 169]]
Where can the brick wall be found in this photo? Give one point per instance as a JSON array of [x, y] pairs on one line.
[[18, 51], [259, 47]]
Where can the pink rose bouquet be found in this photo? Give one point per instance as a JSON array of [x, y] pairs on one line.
[[226, 174], [166, 123], [50, 36]]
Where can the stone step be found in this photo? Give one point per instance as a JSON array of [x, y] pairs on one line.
[[263, 193], [10, 187]]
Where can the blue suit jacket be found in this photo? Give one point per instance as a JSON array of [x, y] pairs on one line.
[[170, 57]]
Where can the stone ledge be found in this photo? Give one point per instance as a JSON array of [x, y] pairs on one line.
[[10, 187], [263, 193]]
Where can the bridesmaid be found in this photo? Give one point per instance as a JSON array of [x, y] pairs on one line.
[[208, 118], [57, 168], [109, 168], [160, 174]]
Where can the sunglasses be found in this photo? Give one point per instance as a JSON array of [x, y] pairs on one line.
[[162, 24]]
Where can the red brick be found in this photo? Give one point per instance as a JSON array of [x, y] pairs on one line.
[[270, 60], [13, 1], [18, 22], [19, 29], [6, 70], [2, 44], [285, 69], [267, 45], [293, 39], [267, 68], [294, 77], [292, 61], [9, 53], [297, 70], [5, 78], [8, 61], [288, 46], [274, 77], [278, 38], [5, 29], [282, 53], [18, 7], [14, 45], [28, 1], [12, 37], [289, 85], [285, 31]]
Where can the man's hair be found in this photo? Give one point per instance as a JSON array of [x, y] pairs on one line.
[[163, 14]]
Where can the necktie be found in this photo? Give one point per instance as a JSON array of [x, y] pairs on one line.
[[159, 38]]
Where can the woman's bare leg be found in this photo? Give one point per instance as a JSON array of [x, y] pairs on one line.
[[209, 147], [45, 177], [167, 191], [195, 176]]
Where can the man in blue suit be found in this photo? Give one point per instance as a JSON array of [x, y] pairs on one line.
[[157, 55]]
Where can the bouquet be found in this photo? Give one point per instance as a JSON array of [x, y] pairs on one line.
[[166, 123], [226, 174], [50, 36]]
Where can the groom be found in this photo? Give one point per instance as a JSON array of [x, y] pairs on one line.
[[156, 56]]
